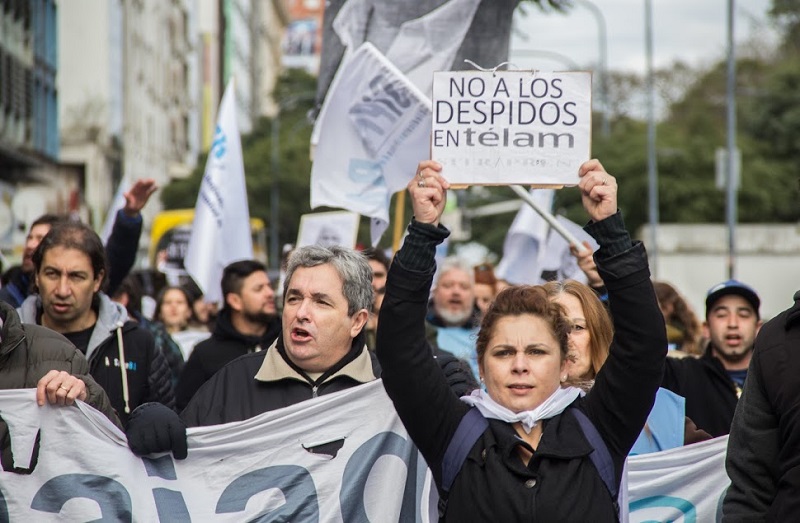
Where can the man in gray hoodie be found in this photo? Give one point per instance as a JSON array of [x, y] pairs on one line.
[[70, 272]]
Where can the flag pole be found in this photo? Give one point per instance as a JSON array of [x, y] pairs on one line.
[[399, 219], [573, 241]]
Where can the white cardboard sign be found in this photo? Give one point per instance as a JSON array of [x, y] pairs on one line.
[[511, 127]]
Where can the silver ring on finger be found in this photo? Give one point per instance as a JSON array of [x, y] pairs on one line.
[[63, 387], [421, 183]]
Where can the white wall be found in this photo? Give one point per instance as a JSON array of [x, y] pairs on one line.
[[694, 258]]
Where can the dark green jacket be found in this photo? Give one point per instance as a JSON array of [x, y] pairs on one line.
[[27, 353]]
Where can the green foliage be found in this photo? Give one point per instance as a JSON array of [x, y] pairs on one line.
[[692, 126]]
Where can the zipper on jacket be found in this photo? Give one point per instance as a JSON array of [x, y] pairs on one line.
[[314, 391]]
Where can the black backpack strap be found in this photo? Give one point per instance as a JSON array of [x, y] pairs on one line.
[[469, 429], [600, 456]]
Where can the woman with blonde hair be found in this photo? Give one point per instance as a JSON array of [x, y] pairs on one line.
[[683, 327], [592, 329]]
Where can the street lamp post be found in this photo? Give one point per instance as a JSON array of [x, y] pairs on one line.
[[275, 190], [652, 174], [603, 44], [731, 207]]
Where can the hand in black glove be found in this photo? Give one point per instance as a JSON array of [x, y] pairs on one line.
[[154, 427], [458, 374]]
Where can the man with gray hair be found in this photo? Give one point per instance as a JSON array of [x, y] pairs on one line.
[[453, 311], [327, 297]]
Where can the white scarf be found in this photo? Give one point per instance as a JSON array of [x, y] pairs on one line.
[[552, 406]]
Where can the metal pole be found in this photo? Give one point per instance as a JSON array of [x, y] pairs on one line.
[[731, 209], [603, 41], [274, 196], [652, 174]]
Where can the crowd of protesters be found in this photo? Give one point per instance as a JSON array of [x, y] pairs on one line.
[[620, 352]]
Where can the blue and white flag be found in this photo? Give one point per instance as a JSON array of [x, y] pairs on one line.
[[221, 227], [373, 130]]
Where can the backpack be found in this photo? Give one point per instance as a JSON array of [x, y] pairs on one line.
[[473, 424]]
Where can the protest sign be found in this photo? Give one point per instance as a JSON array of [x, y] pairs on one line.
[[328, 228], [511, 127]]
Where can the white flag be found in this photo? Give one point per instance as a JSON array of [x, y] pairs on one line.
[[556, 262], [417, 47], [221, 228], [523, 244], [374, 128]]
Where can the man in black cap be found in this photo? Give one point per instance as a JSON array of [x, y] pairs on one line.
[[713, 383]]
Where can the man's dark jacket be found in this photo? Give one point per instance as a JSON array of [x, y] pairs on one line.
[[148, 375], [710, 394], [763, 458], [27, 353], [225, 345]]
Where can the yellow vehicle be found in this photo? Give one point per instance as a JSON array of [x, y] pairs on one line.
[[169, 238]]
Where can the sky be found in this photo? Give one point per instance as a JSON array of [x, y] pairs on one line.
[[694, 31]]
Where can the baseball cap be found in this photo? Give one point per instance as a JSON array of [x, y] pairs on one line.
[[732, 287]]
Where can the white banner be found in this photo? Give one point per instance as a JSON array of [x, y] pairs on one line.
[[512, 127], [265, 467], [374, 129], [221, 227], [684, 484], [274, 466]]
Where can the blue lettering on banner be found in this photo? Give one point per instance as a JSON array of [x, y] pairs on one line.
[[218, 146], [112, 498], [686, 509], [356, 473], [3, 508], [301, 501], [171, 506], [293, 481]]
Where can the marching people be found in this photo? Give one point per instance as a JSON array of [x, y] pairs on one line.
[[70, 271], [248, 322], [589, 342], [320, 350], [532, 458], [121, 247]]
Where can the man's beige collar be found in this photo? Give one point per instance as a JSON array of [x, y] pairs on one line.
[[275, 368]]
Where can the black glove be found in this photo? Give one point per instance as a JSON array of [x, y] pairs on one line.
[[153, 427], [458, 374]]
